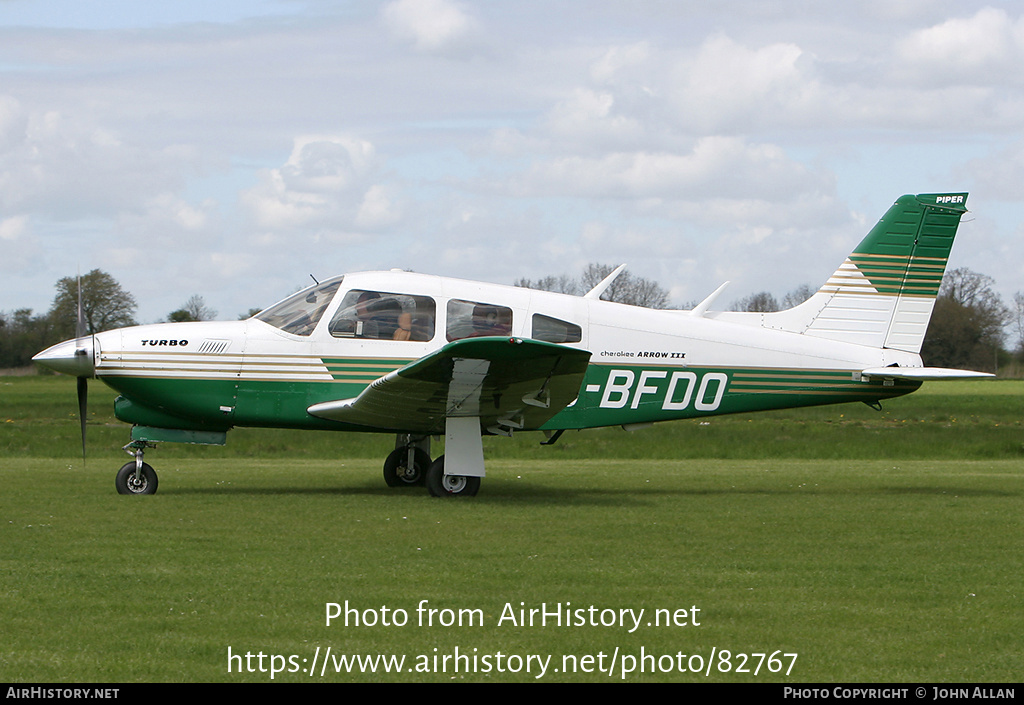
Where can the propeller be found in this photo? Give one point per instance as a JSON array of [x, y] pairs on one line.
[[74, 357], [83, 403], [83, 382]]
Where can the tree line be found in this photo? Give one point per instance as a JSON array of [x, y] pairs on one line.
[[105, 305], [968, 328]]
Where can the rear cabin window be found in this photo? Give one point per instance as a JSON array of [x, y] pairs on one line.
[[381, 315], [553, 330], [472, 319]]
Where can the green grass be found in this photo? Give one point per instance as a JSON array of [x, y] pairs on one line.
[[892, 553]]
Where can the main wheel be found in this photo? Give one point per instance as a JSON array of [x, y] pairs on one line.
[[397, 472], [441, 485], [127, 484]]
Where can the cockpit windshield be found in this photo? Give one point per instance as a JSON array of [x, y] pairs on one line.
[[299, 313]]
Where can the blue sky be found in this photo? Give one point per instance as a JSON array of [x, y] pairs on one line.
[[232, 149], [128, 14]]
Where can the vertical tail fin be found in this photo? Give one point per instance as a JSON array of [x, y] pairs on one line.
[[883, 294]]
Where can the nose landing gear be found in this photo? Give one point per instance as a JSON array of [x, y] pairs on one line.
[[136, 477]]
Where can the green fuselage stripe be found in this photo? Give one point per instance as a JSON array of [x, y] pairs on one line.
[[611, 394]]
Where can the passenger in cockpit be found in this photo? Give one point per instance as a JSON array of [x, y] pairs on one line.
[[490, 320]]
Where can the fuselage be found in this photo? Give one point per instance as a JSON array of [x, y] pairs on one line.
[[330, 341]]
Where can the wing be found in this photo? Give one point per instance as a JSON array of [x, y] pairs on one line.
[[509, 383]]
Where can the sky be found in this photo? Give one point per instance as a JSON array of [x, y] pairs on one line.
[[235, 149]]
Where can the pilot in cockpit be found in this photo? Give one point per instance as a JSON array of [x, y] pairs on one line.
[[367, 326], [376, 317]]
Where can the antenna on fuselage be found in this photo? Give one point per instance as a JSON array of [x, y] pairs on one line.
[[702, 308], [314, 280], [596, 292]]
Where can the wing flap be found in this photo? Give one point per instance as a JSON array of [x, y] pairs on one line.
[[509, 383]]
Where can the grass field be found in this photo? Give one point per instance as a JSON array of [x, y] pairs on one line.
[[877, 546]]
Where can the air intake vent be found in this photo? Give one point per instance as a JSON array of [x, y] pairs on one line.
[[212, 347]]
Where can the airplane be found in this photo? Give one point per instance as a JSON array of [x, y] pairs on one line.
[[422, 356]]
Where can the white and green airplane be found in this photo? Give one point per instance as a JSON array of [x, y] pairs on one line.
[[422, 356]]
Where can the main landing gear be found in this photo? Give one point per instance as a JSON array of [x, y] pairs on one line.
[[441, 485], [409, 464]]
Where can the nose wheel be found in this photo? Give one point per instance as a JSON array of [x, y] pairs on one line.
[[130, 482], [136, 477]]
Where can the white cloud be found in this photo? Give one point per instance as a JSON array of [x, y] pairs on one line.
[[980, 48], [657, 97], [13, 123], [433, 26], [618, 60], [730, 87], [587, 120], [377, 209], [169, 221], [19, 249], [13, 228], [323, 164], [327, 183], [999, 175], [68, 167], [716, 166]]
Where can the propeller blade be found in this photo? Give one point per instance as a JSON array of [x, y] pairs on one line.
[[83, 405], [80, 324]]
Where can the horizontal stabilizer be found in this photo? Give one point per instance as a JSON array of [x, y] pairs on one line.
[[922, 373]]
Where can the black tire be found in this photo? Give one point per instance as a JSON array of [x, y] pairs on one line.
[[440, 485], [395, 472], [126, 484]]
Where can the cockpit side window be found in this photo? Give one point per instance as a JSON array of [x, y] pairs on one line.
[[381, 315], [299, 313], [471, 319], [553, 330]]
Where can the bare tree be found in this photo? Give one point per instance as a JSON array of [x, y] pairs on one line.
[[1018, 319], [761, 302], [626, 289], [562, 284], [967, 324], [195, 309], [970, 288], [797, 296], [252, 312]]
